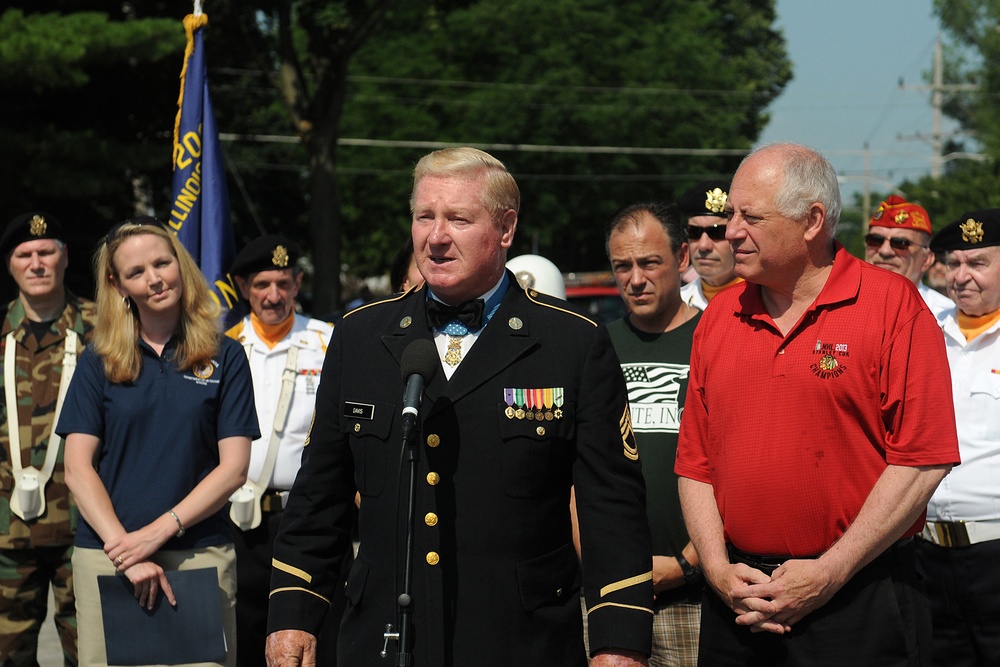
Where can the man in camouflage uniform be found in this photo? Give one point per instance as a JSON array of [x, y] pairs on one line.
[[37, 519]]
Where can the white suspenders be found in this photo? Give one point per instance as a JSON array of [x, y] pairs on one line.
[[28, 497], [245, 510]]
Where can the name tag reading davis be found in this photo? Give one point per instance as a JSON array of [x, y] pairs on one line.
[[359, 410]]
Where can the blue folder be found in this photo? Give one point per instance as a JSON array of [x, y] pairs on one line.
[[164, 635]]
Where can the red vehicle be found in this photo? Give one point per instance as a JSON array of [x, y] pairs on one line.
[[596, 293]]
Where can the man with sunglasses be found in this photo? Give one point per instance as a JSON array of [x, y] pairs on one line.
[[898, 239], [711, 254]]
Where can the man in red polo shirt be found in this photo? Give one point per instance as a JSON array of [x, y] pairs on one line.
[[816, 427]]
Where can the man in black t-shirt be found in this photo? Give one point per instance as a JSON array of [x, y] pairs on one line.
[[645, 243]]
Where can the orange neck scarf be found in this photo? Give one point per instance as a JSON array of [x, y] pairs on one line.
[[271, 334], [710, 290], [973, 326]]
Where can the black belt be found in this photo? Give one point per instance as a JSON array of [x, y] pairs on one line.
[[768, 564], [270, 502]]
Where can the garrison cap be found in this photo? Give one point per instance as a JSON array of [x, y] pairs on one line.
[[706, 198], [30, 226], [974, 229], [266, 253], [897, 213]]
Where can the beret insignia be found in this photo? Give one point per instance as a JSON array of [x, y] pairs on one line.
[[38, 226], [901, 217], [280, 256], [972, 231], [715, 200]]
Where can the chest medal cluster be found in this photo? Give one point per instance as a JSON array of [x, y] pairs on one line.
[[534, 404]]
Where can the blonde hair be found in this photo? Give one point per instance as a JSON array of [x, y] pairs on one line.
[[500, 193], [116, 334]]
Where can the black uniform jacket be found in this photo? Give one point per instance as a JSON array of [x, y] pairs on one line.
[[496, 579]]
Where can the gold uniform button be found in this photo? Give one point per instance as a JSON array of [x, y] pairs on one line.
[[431, 519], [433, 440], [357, 428], [433, 558], [540, 430], [433, 478]]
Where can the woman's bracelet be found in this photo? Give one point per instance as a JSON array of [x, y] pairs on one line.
[[180, 526]]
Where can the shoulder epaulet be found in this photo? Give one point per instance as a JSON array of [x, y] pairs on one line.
[[533, 297], [389, 299]]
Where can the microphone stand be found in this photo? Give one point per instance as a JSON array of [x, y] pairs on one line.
[[404, 656]]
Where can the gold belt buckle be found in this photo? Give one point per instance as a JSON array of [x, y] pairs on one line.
[[952, 533]]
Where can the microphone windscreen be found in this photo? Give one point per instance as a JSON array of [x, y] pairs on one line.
[[420, 357]]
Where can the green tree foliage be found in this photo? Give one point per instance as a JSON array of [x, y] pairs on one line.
[[89, 96], [972, 55], [95, 84], [574, 73]]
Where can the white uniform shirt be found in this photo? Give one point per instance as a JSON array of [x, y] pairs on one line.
[[266, 367], [971, 492], [938, 303], [693, 295], [441, 339]]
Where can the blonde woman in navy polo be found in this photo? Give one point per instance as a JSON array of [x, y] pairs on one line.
[[158, 423]]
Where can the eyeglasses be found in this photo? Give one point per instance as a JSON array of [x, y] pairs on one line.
[[715, 232], [876, 241]]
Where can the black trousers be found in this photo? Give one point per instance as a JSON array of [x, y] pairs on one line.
[[963, 585], [880, 617], [254, 551]]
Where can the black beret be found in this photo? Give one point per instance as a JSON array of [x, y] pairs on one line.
[[974, 229], [30, 226], [706, 198], [266, 253]]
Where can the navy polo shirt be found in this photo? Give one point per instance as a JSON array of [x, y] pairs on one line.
[[159, 435]]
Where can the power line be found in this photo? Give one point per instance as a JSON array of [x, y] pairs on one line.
[[455, 83]]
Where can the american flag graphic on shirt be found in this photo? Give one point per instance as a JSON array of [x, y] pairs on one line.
[[653, 392]]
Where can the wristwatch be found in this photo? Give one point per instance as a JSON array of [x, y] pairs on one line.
[[692, 574]]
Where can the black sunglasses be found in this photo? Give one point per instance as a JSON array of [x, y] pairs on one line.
[[715, 232], [876, 241]]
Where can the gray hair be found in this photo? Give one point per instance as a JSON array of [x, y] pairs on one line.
[[807, 177]]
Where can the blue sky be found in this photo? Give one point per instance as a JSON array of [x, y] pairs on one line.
[[848, 57]]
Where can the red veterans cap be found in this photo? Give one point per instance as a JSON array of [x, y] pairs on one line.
[[901, 214]]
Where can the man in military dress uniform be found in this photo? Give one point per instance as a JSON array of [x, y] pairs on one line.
[[286, 352], [527, 400], [44, 330]]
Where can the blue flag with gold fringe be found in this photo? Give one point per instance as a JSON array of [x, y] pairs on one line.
[[199, 213]]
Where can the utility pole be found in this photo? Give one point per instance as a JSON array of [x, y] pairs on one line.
[[937, 89]]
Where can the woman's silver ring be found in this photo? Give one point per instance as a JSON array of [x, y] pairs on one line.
[[119, 561]]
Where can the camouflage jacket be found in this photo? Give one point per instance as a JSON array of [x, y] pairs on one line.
[[39, 367]]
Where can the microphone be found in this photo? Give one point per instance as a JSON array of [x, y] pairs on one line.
[[419, 365]]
